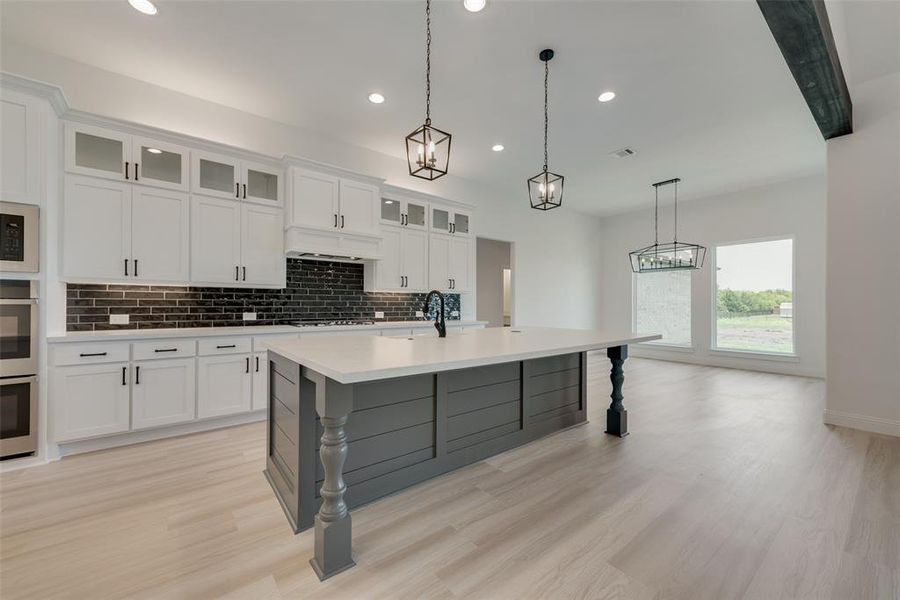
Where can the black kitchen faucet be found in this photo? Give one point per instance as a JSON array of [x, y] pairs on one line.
[[439, 323]]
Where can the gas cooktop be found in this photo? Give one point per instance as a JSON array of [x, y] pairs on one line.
[[327, 323]]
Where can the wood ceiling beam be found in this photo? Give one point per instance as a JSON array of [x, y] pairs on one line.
[[803, 33]]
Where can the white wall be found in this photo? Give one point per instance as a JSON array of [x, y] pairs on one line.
[[791, 208], [555, 252], [863, 388], [493, 257]]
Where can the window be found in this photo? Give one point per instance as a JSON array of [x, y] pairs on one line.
[[754, 297], [662, 304]]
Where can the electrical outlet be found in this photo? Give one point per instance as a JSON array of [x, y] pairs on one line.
[[118, 319], [250, 316], [454, 313], [379, 314], [419, 313]]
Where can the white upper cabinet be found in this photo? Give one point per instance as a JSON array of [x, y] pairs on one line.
[[226, 177], [460, 276], [358, 205], [452, 222], [98, 152], [160, 235], [314, 200], [96, 230], [160, 164], [20, 153], [415, 260], [389, 270], [113, 231], [262, 245], [448, 264], [330, 203], [260, 183], [216, 175], [215, 241], [405, 213]]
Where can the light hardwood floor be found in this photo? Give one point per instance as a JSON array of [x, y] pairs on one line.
[[729, 486]]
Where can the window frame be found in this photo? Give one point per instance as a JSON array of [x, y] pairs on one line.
[[714, 312], [689, 347]]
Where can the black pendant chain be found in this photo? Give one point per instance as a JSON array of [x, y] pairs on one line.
[[428, 62], [546, 118]]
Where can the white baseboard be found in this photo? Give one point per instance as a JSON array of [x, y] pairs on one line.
[[746, 362], [862, 422], [148, 435]]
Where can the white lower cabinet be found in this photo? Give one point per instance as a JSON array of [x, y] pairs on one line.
[[223, 385], [90, 400], [163, 392], [260, 369]]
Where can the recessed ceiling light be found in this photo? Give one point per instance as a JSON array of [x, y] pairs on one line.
[[154, 150], [497, 147], [474, 5], [606, 96], [376, 98], [144, 6]]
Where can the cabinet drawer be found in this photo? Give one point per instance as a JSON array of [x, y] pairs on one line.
[[90, 353], [224, 345], [163, 349]]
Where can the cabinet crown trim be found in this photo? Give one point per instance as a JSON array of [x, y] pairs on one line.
[[325, 168], [398, 193]]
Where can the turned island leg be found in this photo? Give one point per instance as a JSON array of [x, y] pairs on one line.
[[332, 529], [616, 415]]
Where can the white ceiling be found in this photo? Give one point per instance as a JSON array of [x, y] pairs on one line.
[[703, 92]]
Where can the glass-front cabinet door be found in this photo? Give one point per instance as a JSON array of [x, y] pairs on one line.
[[98, 152], [415, 215], [440, 220], [392, 211], [460, 223], [160, 164], [215, 175], [261, 184]]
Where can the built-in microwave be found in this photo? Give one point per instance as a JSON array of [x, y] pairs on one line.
[[19, 237]]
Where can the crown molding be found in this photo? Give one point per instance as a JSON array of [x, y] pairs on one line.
[[401, 193], [49, 92], [320, 167]]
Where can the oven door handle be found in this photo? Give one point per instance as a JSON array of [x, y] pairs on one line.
[[14, 380]]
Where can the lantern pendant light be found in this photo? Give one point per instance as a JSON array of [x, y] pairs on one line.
[[674, 256], [428, 148], [545, 190]]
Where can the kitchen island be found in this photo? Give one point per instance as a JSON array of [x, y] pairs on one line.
[[353, 419]]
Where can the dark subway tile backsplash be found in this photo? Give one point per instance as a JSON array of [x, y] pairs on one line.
[[316, 290]]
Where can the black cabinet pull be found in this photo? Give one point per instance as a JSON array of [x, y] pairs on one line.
[[236, 271], [93, 354], [166, 350], [247, 358], [335, 219], [225, 346], [342, 221], [257, 364], [245, 191], [137, 375], [126, 169], [245, 273], [237, 189], [126, 267], [123, 376], [136, 165], [135, 268]]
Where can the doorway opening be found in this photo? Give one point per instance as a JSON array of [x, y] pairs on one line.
[[494, 292]]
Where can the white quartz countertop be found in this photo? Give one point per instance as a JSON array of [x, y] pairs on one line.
[[352, 359], [194, 332]]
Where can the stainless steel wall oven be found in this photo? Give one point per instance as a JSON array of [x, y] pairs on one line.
[[18, 367]]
